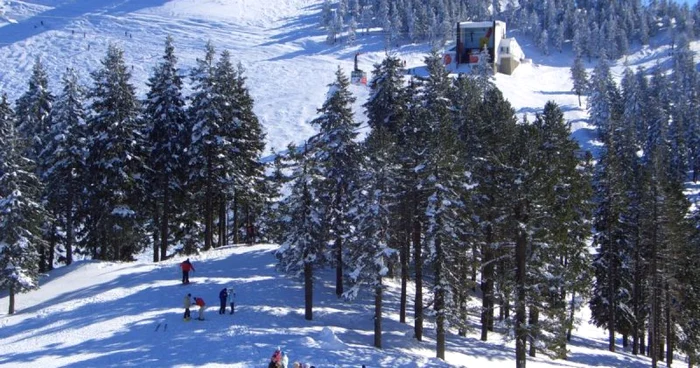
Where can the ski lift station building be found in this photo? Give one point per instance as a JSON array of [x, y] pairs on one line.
[[505, 53]]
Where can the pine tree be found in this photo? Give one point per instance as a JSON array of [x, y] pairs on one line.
[[560, 261], [386, 112], [579, 77], [114, 163], [22, 211], [373, 203], [303, 249], [604, 102], [412, 149], [204, 119], [336, 153], [33, 110], [63, 159], [165, 116], [444, 177], [249, 181], [482, 71]]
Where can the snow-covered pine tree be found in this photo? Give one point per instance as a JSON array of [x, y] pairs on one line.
[[204, 119], [165, 134], [226, 148], [482, 71], [271, 227], [493, 133], [604, 101], [33, 111], [22, 211], [466, 103], [63, 159], [336, 153], [386, 112], [684, 129], [369, 255], [250, 187], [351, 32], [304, 249], [612, 238], [411, 155], [579, 78], [372, 206], [634, 93], [559, 259], [114, 144], [443, 183]]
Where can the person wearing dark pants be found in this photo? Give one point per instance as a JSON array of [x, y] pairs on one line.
[[186, 268], [223, 295]]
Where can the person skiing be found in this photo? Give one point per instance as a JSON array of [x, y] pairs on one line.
[[231, 299], [200, 302], [223, 296], [187, 303], [186, 267]]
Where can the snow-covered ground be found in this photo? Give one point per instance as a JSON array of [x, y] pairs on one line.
[[95, 314], [101, 314]]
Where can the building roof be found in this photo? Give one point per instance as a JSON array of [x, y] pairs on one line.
[[475, 24]]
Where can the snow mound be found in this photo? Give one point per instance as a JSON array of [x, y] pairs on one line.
[[329, 340]]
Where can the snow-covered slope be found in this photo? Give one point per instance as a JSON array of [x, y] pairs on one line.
[[94, 314]]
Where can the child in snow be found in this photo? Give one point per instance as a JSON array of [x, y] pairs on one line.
[[223, 296], [231, 298], [200, 302], [187, 303]]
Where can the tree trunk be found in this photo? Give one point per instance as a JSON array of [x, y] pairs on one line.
[[403, 258], [42, 257], [571, 317], [208, 206], [475, 265], [222, 220], [165, 222], [669, 330], [308, 291], [378, 315], [52, 246], [520, 275], [418, 264], [338, 266], [338, 248], [533, 321], [11, 308], [155, 235], [463, 294], [487, 275], [69, 227], [236, 220], [611, 304]]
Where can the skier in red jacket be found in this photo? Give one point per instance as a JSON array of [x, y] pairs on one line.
[[186, 268]]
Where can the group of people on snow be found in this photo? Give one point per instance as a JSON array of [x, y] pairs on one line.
[[226, 295], [279, 359], [189, 301]]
